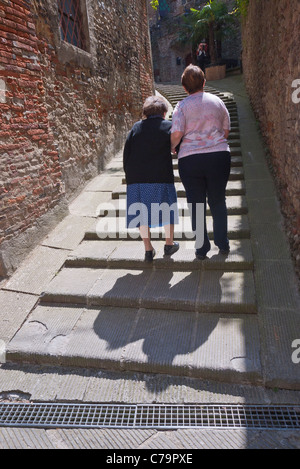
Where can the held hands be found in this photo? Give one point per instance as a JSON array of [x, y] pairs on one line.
[[175, 141]]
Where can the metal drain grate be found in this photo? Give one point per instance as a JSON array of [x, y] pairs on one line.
[[149, 416]]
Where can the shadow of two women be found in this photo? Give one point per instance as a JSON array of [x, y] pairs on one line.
[[135, 317]]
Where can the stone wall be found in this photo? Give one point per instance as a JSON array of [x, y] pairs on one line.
[[64, 110], [271, 45]]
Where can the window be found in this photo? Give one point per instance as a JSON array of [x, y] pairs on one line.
[[71, 26], [163, 8]]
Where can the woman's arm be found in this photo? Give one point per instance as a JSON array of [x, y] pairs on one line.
[[175, 140]]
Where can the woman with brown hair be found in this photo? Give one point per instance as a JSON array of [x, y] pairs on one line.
[[149, 174], [201, 123]]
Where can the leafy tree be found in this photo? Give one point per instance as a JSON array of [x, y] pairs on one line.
[[241, 7]]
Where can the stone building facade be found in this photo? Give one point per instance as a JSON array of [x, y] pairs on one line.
[[271, 44], [73, 76], [171, 57]]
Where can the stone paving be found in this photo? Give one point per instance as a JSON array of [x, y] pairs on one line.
[[85, 319]]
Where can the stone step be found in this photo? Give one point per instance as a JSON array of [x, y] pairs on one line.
[[206, 346], [236, 174], [115, 166], [130, 254], [236, 155], [177, 90], [233, 117], [236, 159], [236, 205], [210, 291], [112, 228], [234, 143], [234, 135], [174, 99], [176, 96], [233, 188]]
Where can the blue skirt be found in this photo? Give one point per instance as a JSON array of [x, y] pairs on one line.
[[151, 204]]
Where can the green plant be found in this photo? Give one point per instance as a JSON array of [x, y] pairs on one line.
[[154, 4], [242, 7]]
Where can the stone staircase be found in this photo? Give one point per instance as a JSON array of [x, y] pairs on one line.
[[106, 308]]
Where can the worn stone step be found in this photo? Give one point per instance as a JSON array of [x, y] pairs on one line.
[[173, 95], [115, 166], [236, 174], [130, 254], [233, 188], [210, 291], [236, 156], [234, 135], [173, 91], [232, 113], [112, 228], [234, 143], [236, 205], [231, 105], [205, 346]]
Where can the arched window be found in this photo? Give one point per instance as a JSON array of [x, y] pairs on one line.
[[71, 22]]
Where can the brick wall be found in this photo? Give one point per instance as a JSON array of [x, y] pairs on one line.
[[64, 111], [271, 45]]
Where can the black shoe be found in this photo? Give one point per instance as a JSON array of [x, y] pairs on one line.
[[225, 252], [171, 249], [200, 256], [149, 255]]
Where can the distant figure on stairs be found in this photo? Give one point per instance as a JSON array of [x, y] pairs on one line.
[[201, 56]]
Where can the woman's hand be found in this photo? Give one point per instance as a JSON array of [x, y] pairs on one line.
[[175, 140], [226, 133]]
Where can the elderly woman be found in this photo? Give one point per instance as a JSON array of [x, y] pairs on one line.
[[201, 125], [147, 160]]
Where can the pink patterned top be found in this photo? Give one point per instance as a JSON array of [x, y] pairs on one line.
[[202, 117]]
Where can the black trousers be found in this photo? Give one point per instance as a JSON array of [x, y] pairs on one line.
[[205, 176]]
